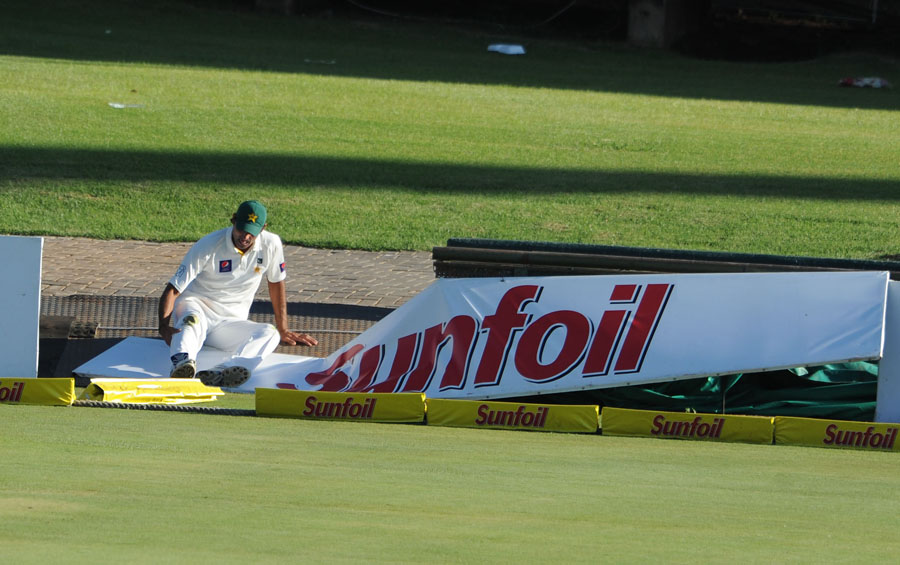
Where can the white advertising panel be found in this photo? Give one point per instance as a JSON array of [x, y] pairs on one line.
[[887, 406], [20, 287], [148, 358], [496, 338]]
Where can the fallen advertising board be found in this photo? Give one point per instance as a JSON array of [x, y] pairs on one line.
[[507, 338]]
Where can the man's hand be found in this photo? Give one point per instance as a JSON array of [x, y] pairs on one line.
[[279, 308], [292, 338], [166, 305], [167, 332]]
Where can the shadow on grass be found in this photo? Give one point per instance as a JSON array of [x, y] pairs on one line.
[[174, 33], [20, 164]]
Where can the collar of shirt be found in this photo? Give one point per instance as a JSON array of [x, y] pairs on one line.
[[230, 241]]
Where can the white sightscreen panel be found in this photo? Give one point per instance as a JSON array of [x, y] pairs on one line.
[[20, 287], [887, 408]]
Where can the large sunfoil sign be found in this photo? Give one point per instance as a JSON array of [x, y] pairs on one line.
[[501, 338]]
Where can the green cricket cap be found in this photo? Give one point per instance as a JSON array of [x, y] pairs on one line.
[[250, 217]]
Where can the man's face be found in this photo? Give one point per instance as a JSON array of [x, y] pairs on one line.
[[242, 240]]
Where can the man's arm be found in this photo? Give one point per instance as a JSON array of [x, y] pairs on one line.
[[279, 306], [166, 305]]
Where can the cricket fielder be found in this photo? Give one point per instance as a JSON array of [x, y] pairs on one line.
[[209, 299]]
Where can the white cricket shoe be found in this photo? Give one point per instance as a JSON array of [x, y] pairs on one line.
[[184, 369], [224, 376]]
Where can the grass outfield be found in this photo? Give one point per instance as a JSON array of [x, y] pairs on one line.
[[382, 135], [86, 484]]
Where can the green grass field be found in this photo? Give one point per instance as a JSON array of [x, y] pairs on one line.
[[101, 485], [377, 135]]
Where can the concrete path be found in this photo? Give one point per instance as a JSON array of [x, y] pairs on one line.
[[139, 268]]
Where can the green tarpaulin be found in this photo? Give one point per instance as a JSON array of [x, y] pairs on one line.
[[842, 392]]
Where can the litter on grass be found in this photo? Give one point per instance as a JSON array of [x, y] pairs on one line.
[[865, 82], [119, 105], [507, 48]]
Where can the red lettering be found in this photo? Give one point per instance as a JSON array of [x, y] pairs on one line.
[[609, 332], [642, 327], [368, 368], [549, 348], [658, 424], [528, 418], [534, 340], [624, 293], [460, 329], [325, 409], [500, 328], [521, 417], [695, 428], [406, 352], [869, 438], [12, 393], [483, 410], [519, 414], [310, 406], [694, 425], [345, 410], [829, 434], [332, 379], [876, 439]]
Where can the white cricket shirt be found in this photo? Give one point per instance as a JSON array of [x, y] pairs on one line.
[[214, 273]]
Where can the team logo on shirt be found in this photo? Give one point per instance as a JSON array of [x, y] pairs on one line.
[[282, 267], [259, 260], [225, 266]]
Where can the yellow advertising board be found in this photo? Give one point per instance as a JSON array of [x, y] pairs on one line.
[[686, 425], [407, 407], [512, 416], [150, 391], [836, 433], [46, 392]]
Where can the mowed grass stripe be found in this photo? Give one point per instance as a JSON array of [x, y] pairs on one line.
[[90, 483], [417, 134], [229, 111]]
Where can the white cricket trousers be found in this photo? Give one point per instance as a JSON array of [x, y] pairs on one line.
[[248, 342]]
